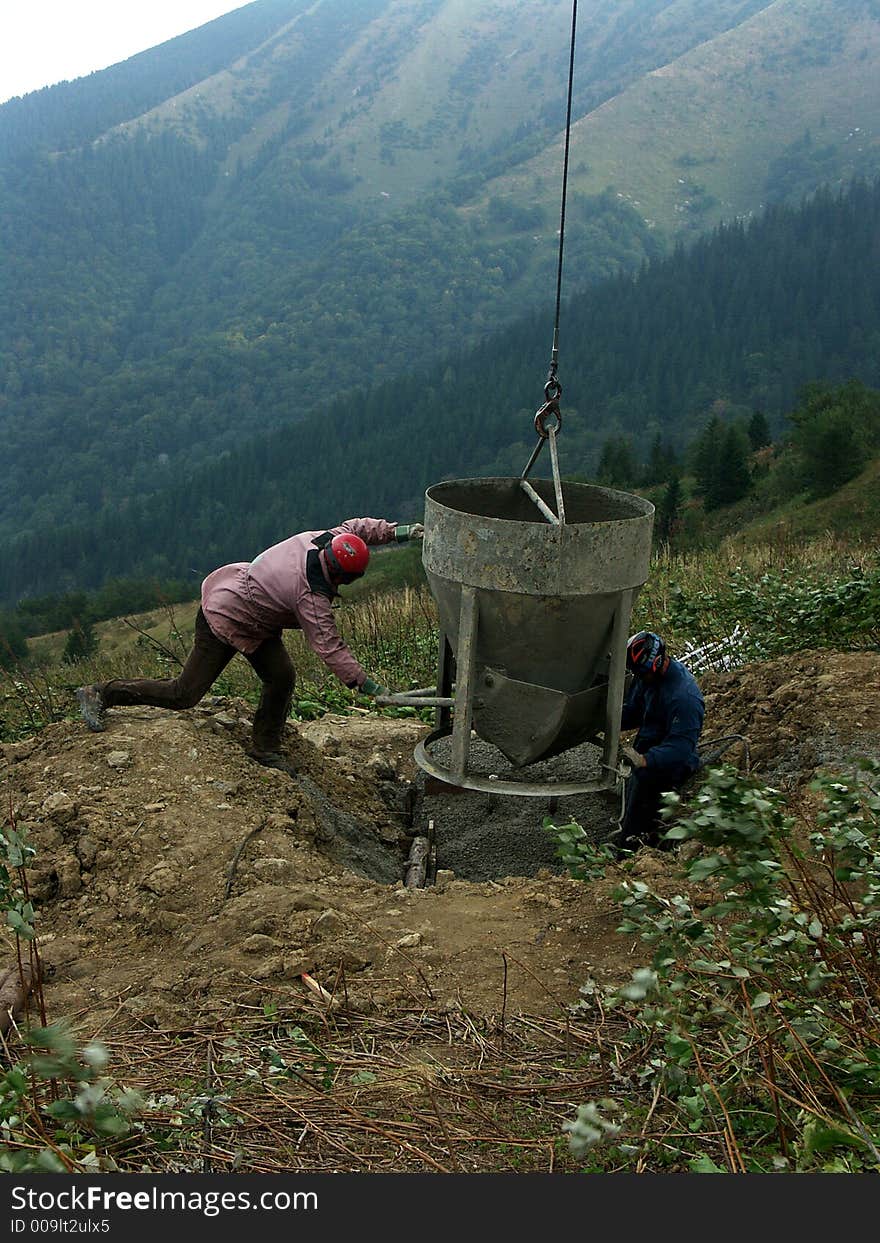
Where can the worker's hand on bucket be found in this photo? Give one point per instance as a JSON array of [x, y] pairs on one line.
[[405, 532]]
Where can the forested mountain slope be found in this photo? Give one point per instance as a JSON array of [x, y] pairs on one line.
[[747, 315], [299, 200]]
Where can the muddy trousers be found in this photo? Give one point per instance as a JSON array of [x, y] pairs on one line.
[[207, 660], [644, 788]]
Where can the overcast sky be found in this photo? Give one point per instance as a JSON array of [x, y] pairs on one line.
[[47, 41]]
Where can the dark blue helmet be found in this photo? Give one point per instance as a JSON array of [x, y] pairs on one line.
[[645, 653]]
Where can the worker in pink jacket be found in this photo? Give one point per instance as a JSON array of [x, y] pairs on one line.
[[245, 607]]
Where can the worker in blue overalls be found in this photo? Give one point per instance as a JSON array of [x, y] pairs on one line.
[[666, 706]]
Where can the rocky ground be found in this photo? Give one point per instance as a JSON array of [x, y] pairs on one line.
[[176, 880]]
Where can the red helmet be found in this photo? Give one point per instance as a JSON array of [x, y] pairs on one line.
[[348, 555]]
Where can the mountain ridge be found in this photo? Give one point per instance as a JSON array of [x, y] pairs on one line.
[[160, 313]]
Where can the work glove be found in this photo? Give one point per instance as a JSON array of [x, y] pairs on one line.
[[632, 756], [403, 532], [370, 686]]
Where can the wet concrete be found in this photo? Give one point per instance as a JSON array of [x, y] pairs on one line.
[[478, 836], [350, 841], [483, 836]]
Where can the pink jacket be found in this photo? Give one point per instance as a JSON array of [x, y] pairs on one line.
[[247, 602]]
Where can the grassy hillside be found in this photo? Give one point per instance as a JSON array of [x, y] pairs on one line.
[[851, 512], [709, 135], [414, 94]]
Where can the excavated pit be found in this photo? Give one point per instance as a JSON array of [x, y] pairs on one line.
[[477, 836], [349, 841], [482, 837]]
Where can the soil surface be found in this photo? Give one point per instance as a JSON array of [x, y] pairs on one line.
[[177, 881]]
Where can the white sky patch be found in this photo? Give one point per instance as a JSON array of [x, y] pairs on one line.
[[47, 41]]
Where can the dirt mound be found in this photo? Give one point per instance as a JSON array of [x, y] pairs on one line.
[[177, 881], [799, 713]]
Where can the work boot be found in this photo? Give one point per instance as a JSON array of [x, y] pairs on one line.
[[625, 847], [274, 759], [91, 706]]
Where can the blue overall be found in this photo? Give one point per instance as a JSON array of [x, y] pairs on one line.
[[668, 712]]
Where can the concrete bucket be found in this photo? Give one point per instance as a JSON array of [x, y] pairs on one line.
[[534, 618]]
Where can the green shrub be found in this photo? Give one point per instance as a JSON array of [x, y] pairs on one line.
[[756, 1026]]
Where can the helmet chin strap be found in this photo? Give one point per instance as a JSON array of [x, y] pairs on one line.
[[330, 574], [337, 577]]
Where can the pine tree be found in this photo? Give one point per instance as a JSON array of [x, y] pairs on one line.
[[82, 642], [731, 478], [668, 511], [661, 462], [617, 464], [835, 432], [759, 430], [13, 644], [704, 454]]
